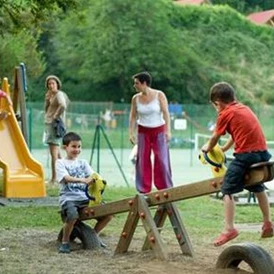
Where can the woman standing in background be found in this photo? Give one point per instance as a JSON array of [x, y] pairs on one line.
[[149, 108], [56, 103]]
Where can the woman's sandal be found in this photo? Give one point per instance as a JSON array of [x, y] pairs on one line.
[[226, 237]]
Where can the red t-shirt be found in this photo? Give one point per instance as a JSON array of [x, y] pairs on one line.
[[244, 127]]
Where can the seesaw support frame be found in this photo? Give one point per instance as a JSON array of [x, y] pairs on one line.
[[138, 208]]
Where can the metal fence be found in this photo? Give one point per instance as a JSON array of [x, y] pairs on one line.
[[83, 117]]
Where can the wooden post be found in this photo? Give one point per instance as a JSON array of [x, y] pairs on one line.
[[18, 98], [138, 208], [258, 175], [153, 235], [179, 229], [159, 219], [129, 227]]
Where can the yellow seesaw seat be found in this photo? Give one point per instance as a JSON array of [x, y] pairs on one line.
[[95, 191], [23, 176], [216, 159]]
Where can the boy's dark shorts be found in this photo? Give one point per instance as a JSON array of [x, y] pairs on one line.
[[70, 209], [234, 177]]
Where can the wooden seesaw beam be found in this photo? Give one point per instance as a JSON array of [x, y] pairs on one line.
[[138, 208], [257, 174]]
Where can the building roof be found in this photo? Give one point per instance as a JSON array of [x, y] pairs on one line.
[[264, 17], [192, 2]]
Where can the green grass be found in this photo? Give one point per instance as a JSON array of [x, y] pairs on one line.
[[30, 217], [203, 213]]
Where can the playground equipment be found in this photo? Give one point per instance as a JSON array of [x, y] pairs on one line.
[[82, 231], [254, 256], [23, 176], [138, 208], [19, 100], [216, 159], [95, 191]]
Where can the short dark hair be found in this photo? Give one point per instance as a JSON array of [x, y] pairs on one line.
[[143, 77], [69, 137], [223, 92]]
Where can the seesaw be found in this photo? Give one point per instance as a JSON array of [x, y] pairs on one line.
[[138, 208]]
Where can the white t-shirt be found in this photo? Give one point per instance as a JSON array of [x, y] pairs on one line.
[[72, 191]]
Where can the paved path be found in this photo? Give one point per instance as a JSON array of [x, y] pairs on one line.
[[186, 168]]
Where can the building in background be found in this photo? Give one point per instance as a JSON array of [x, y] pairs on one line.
[[193, 2], [262, 18]]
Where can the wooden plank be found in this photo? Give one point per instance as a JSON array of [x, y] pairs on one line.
[[129, 229], [15, 94], [185, 191], [159, 219], [179, 230], [155, 198], [153, 234], [178, 193], [23, 107], [106, 209], [256, 175]]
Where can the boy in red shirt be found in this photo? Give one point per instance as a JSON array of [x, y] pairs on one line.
[[250, 147]]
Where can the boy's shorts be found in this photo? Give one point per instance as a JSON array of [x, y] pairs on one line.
[[50, 137], [70, 209], [234, 177]]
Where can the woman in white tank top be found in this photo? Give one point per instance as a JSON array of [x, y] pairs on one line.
[[149, 110]]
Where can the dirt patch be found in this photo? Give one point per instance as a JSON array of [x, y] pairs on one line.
[[46, 201], [36, 251]]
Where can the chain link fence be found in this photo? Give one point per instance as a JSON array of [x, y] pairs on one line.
[[186, 121]]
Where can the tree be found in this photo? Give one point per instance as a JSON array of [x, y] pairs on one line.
[[18, 48], [20, 27], [16, 14], [186, 49], [112, 40]]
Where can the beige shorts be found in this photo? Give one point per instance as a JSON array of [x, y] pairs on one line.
[[50, 137]]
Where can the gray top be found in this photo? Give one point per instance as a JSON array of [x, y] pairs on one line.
[[72, 191]]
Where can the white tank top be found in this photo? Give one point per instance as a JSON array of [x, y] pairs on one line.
[[150, 115]]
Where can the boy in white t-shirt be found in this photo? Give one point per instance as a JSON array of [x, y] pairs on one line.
[[73, 175]]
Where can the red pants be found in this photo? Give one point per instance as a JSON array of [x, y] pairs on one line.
[[152, 140]]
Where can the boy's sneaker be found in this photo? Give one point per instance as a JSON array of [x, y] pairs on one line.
[[103, 244], [267, 230], [64, 248]]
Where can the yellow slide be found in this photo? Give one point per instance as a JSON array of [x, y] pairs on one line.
[[22, 176]]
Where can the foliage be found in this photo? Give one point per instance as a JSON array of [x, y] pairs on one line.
[[115, 39], [20, 23], [231, 49], [16, 14], [198, 46], [15, 48], [96, 48]]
